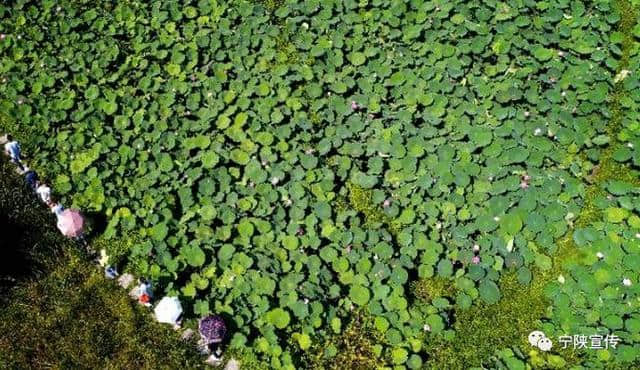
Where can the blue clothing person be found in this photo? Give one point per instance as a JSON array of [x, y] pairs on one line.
[[12, 148], [32, 179]]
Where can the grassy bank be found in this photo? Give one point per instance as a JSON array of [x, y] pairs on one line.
[[57, 310]]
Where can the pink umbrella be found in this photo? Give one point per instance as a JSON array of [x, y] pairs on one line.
[[70, 223]]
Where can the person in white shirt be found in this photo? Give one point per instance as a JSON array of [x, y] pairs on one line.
[[44, 192], [12, 149]]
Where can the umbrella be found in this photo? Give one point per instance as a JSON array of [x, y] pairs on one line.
[[168, 310], [70, 223], [212, 329]]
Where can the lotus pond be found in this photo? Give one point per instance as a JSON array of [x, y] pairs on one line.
[[352, 184]]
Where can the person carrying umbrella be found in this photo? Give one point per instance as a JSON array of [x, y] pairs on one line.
[[71, 224], [169, 311], [212, 331], [56, 208]]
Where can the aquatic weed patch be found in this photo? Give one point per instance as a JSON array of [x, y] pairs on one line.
[[258, 159]]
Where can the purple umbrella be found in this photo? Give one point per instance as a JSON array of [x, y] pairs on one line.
[[70, 223], [212, 329]]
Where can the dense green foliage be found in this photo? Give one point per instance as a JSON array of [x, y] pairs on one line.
[[64, 314], [288, 163]]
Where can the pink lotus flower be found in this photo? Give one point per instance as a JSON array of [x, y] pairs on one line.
[[526, 177], [2, 36], [524, 185], [300, 231], [475, 260], [386, 203], [354, 105]]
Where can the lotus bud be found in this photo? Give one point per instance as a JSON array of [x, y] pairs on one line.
[[638, 235], [375, 257], [626, 282], [20, 101], [496, 219], [306, 301], [475, 260], [490, 178], [287, 202], [629, 145], [600, 255], [537, 132], [426, 327], [264, 162], [19, 37], [209, 94], [274, 180], [305, 25], [476, 248], [564, 93], [527, 114], [561, 53], [58, 9]]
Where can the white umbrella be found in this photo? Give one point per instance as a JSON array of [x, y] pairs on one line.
[[168, 310]]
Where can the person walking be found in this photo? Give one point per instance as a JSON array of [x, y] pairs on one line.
[[144, 292], [44, 192], [31, 177], [12, 149], [56, 208]]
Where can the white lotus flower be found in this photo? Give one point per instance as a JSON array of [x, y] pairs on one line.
[[600, 255], [626, 282], [561, 279]]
